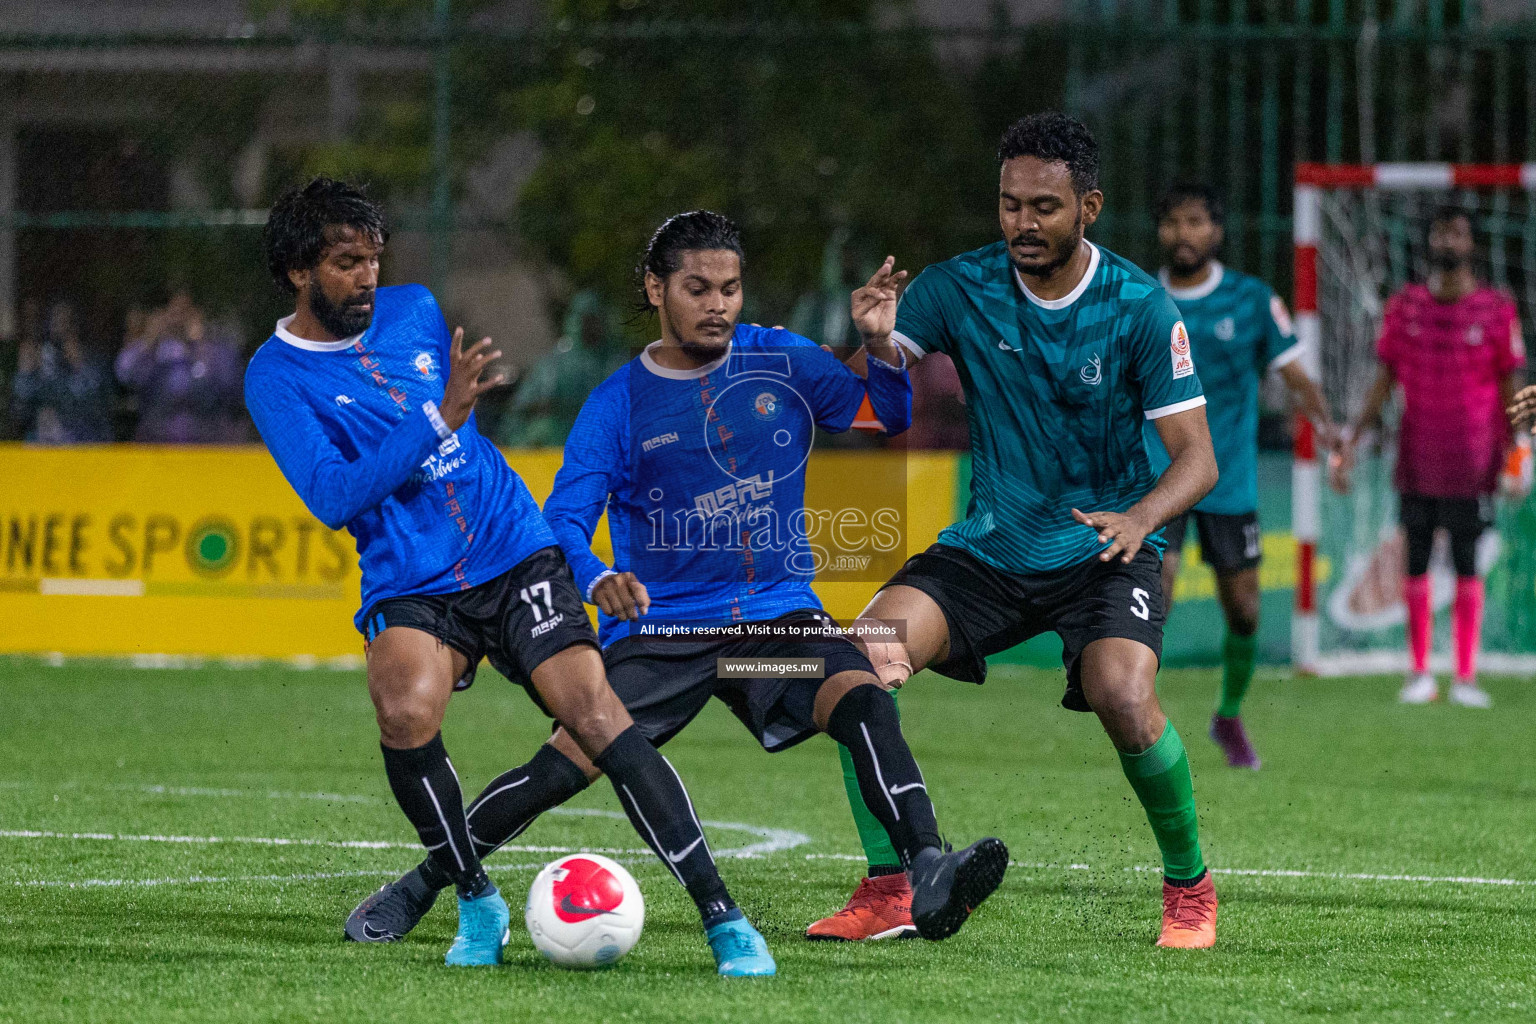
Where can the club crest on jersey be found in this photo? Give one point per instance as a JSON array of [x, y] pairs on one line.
[[1093, 372], [1225, 329], [425, 365], [767, 406], [1183, 363]]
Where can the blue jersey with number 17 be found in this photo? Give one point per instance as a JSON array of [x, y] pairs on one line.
[[354, 426], [1056, 391], [1239, 330]]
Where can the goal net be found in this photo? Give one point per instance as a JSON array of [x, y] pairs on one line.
[[1360, 236]]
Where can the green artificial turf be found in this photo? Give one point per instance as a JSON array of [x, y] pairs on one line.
[[1353, 783]]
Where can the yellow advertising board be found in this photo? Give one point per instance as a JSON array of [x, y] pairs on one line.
[[144, 550]]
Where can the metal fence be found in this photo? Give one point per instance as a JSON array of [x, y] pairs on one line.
[[522, 164]]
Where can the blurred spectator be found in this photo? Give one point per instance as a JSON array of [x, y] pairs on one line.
[[938, 405], [546, 403], [185, 373], [61, 394]]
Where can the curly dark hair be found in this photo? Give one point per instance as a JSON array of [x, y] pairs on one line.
[[303, 220], [1183, 192], [1053, 136], [685, 232]]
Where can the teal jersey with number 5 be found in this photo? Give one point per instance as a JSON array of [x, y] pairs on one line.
[[1240, 330], [1056, 393]]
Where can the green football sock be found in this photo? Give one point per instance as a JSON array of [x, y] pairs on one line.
[[1160, 777], [1237, 654], [882, 856]]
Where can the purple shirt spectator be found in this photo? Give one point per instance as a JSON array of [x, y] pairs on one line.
[[187, 376]]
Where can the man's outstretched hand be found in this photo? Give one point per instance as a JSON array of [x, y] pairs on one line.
[[621, 595], [464, 388], [1122, 531], [874, 306]]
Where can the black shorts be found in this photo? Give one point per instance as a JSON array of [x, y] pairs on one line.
[[517, 620], [1228, 543], [665, 682], [1464, 519], [990, 610]]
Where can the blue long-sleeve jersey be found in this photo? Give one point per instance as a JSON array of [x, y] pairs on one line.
[[702, 474], [354, 426]]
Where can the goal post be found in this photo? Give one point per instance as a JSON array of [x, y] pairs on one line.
[[1358, 235]]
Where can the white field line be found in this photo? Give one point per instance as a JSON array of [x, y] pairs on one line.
[[334, 798], [103, 883], [123, 837], [1345, 876], [769, 840]]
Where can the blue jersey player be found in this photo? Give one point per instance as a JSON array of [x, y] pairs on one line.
[[1064, 350], [1238, 330], [696, 450], [368, 408]]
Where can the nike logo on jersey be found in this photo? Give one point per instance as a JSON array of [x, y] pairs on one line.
[[1006, 347], [570, 908], [685, 851]]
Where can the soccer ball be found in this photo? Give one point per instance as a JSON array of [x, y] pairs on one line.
[[584, 911]]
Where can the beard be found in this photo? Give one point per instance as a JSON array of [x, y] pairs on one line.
[[1447, 260], [704, 351], [1184, 260], [341, 319], [701, 348], [1056, 256]]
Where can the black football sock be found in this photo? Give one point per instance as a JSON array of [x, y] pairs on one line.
[[514, 799], [511, 803], [865, 723], [427, 789], [658, 806]]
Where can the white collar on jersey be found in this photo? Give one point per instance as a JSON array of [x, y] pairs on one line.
[[1211, 283], [1072, 296], [650, 363], [285, 334]]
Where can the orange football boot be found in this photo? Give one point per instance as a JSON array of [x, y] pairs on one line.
[[1189, 915], [880, 908]]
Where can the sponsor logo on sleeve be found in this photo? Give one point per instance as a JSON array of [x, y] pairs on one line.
[[1183, 363]]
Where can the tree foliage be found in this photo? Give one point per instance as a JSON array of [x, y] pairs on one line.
[[794, 126]]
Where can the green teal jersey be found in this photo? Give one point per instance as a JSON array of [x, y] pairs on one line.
[[1056, 392], [1239, 329]]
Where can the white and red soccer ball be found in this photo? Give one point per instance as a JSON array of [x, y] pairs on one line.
[[584, 911]]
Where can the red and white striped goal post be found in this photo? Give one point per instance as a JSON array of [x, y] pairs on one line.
[[1312, 179]]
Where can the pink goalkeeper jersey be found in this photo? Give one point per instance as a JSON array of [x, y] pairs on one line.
[[1449, 358]]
